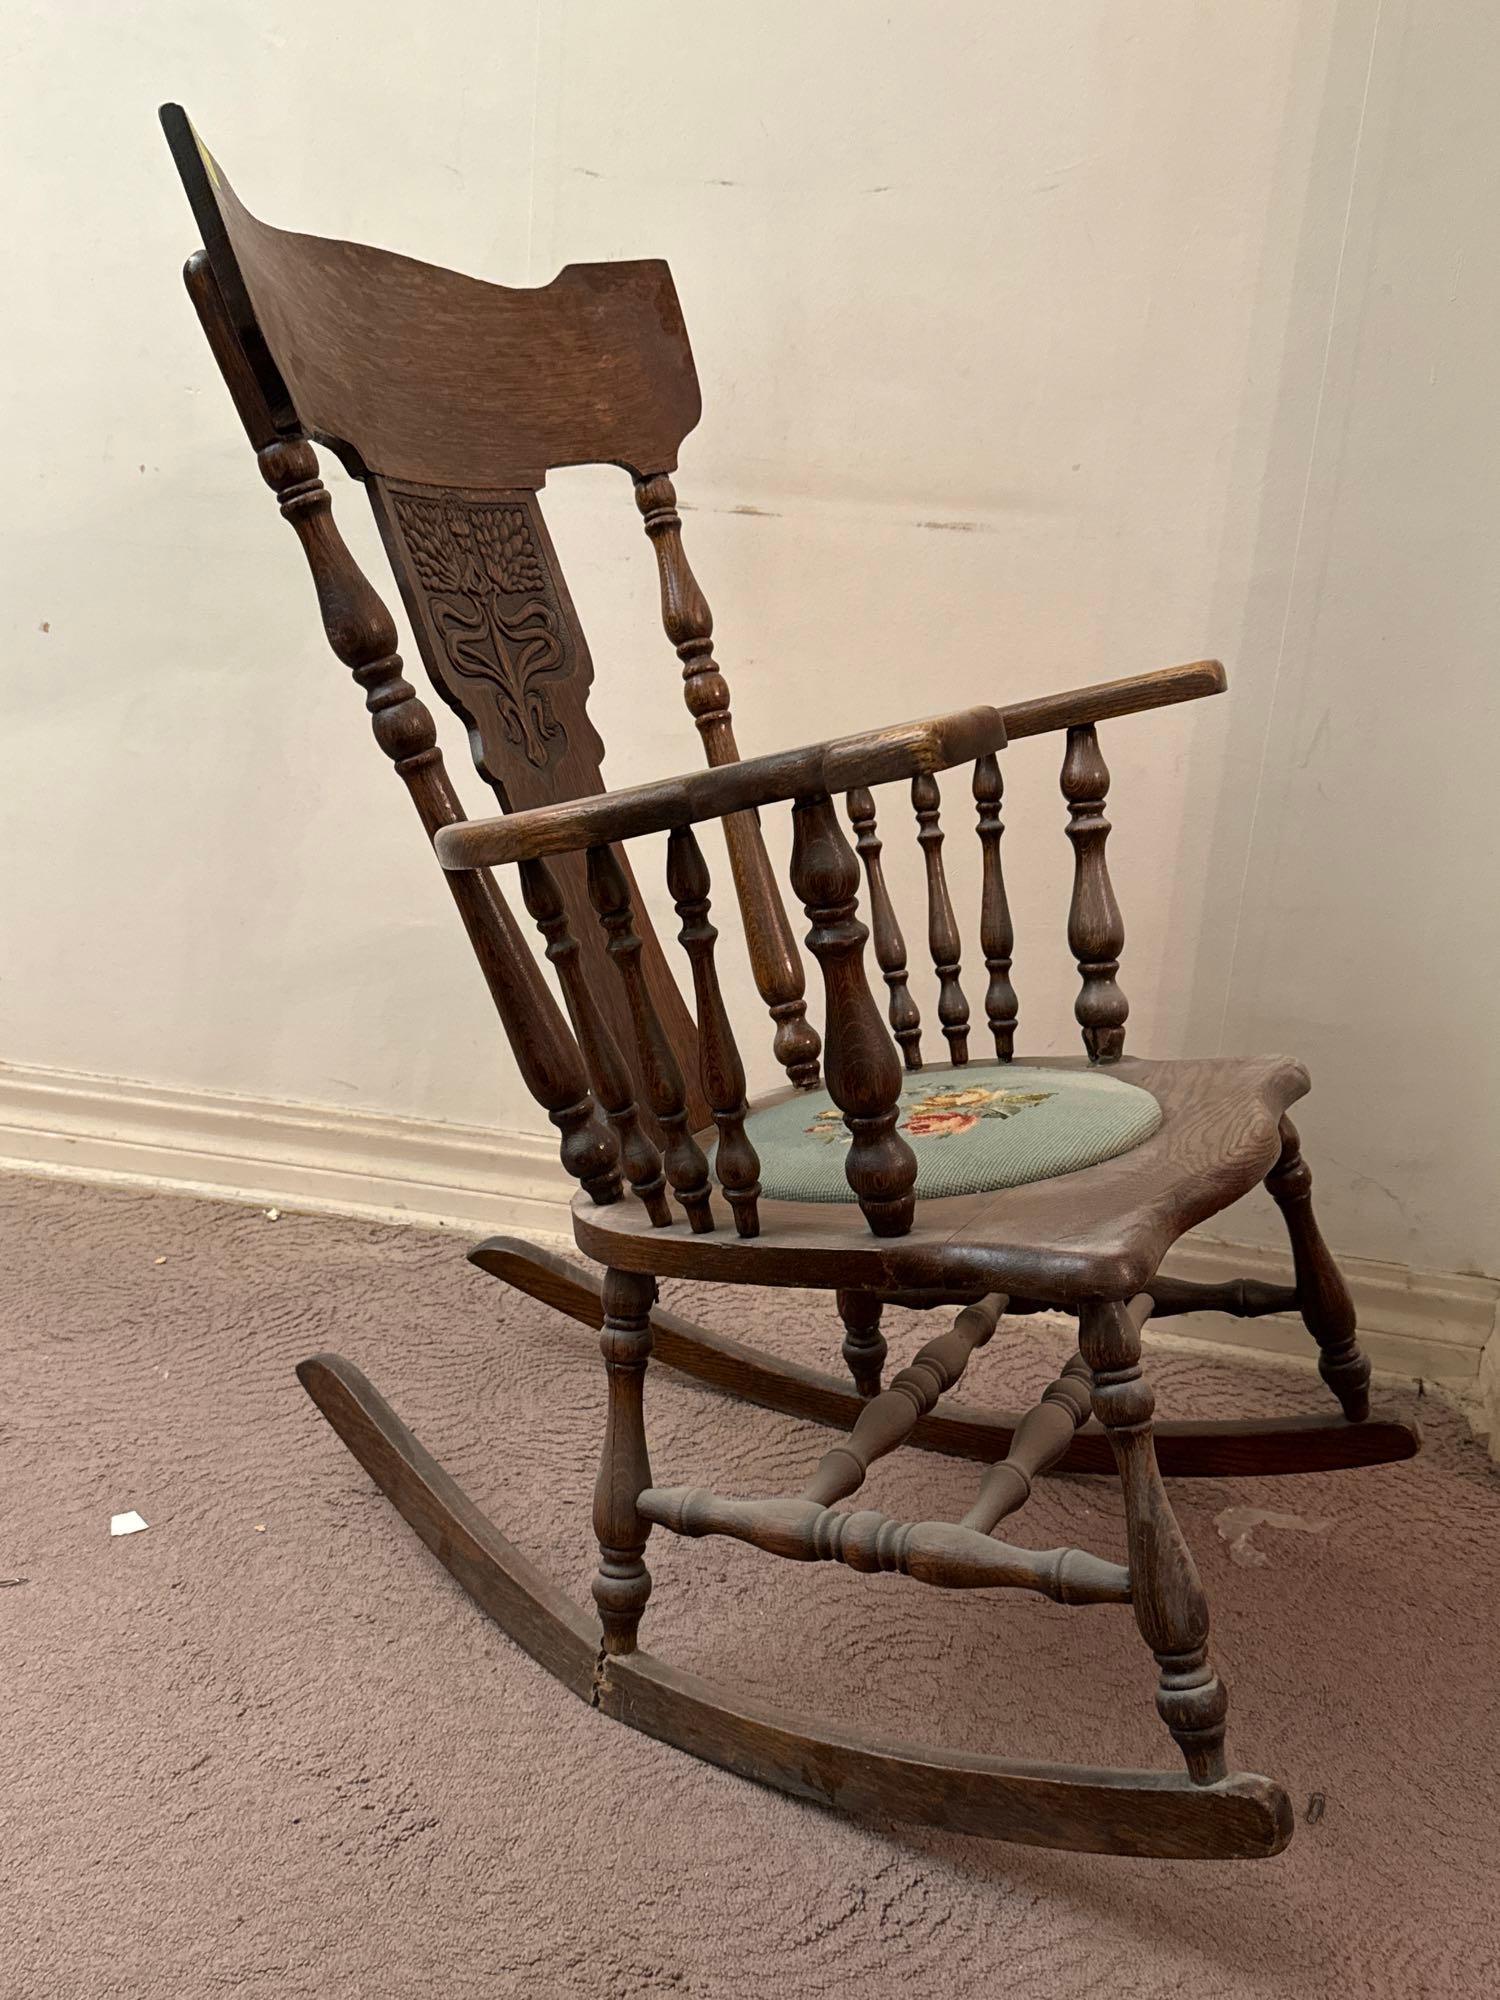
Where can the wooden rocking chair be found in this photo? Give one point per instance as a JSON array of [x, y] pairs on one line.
[[992, 1185]]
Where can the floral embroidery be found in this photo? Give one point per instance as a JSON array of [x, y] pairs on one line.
[[938, 1114]]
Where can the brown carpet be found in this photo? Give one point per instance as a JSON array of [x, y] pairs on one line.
[[298, 1762]]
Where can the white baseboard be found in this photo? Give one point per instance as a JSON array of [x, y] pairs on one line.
[[333, 1160]]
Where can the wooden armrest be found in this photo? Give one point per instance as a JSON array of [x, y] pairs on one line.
[[1106, 698], [908, 750]]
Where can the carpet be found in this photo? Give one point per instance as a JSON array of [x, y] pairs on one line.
[[267, 1747]]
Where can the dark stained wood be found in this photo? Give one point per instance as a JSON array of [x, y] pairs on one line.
[[689, 625], [864, 1347], [996, 933], [1170, 1607], [1096, 935], [1323, 1297], [872, 758], [607, 1069], [451, 400], [421, 374], [362, 634], [1216, 1448], [736, 1163], [889, 1419], [1041, 1440], [862, 1067], [890, 945], [942, 926], [683, 1158], [1099, 1234], [1092, 1811], [623, 1583], [934, 1552], [1106, 699]]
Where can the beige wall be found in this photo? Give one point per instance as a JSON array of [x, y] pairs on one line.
[[1038, 345]]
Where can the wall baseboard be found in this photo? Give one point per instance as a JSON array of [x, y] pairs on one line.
[[333, 1160]]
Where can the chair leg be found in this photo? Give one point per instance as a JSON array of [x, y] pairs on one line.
[[623, 1582], [1170, 1607], [1322, 1296], [864, 1343]]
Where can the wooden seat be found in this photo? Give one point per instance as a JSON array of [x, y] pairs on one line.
[[450, 400], [1095, 1234]]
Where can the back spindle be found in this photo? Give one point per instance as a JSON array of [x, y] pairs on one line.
[[689, 624], [996, 935], [607, 1068], [683, 1158], [735, 1160], [942, 926], [1096, 931], [890, 945]]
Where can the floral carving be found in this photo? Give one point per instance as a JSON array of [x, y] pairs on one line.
[[475, 559]]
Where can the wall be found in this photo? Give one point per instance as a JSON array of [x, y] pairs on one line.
[[1038, 346]]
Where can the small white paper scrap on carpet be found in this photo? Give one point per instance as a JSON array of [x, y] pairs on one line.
[[127, 1524]]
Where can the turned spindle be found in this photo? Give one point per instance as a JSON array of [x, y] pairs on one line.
[[613, 1087], [1096, 933], [1322, 1297], [864, 1344], [682, 1156], [735, 1159], [996, 934], [623, 1582], [860, 1061], [942, 926], [1170, 1607], [689, 624], [889, 1419], [890, 945], [1041, 1438]]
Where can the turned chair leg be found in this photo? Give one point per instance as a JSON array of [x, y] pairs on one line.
[[864, 1343], [1170, 1607], [1322, 1296], [623, 1583]]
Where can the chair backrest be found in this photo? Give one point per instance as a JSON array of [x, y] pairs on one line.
[[451, 399]]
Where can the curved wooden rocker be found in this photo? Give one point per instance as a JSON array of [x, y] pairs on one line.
[[1186, 1448], [450, 400], [1094, 1811]]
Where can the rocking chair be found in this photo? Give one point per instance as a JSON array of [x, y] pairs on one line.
[[992, 1184]]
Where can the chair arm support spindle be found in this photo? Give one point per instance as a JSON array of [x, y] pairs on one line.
[[943, 941], [861, 1064], [1096, 933], [996, 933]]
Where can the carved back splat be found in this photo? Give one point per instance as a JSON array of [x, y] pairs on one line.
[[451, 399]]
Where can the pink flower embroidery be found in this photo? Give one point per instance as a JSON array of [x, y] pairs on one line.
[[939, 1124]]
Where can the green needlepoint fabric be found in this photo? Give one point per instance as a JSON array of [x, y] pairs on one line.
[[975, 1129]]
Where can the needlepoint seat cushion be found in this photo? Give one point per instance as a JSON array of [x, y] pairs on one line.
[[974, 1130]]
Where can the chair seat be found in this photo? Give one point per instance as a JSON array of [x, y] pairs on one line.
[[1097, 1232], [973, 1129]]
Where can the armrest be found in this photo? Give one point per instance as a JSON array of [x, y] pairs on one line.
[[1106, 698], [908, 750]]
